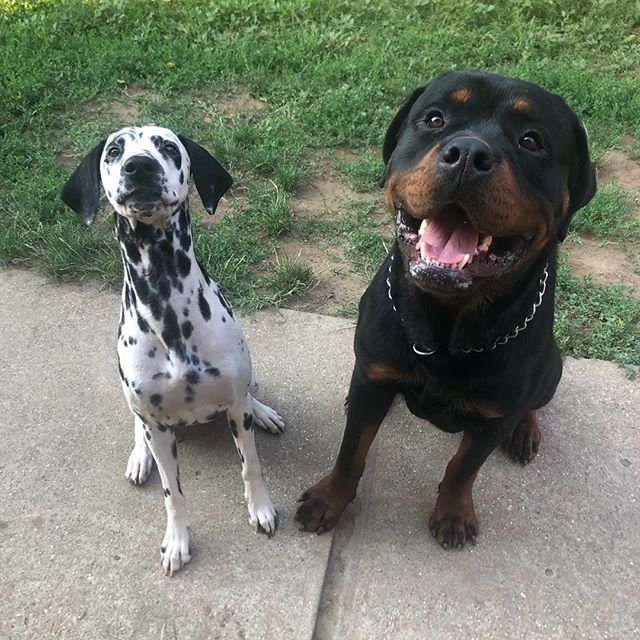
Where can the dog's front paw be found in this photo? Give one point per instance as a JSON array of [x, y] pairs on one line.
[[453, 522], [524, 443], [323, 504], [139, 464], [266, 417], [263, 517], [174, 552]]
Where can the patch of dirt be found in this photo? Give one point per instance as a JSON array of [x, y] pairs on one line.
[[336, 290], [615, 165], [239, 103], [326, 194], [606, 263], [338, 287], [126, 109]]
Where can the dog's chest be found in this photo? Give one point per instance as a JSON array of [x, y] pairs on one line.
[[184, 366]]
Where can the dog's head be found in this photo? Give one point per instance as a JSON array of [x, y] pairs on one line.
[[144, 172], [482, 172]]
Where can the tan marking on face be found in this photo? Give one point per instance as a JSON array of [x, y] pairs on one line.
[[502, 209], [415, 188], [460, 95], [522, 106]]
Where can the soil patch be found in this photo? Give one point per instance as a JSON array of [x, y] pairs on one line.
[[239, 103], [617, 166], [606, 263]]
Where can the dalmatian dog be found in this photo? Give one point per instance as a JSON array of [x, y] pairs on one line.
[[182, 355]]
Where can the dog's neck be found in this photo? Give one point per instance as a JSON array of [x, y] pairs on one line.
[[160, 267], [457, 328]]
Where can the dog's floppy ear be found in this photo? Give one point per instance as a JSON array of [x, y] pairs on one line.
[[391, 137], [582, 180], [81, 191], [211, 178]]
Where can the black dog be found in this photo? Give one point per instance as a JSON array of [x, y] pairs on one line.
[[483, 174]]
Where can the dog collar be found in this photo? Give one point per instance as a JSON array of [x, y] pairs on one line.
[[423, 351]]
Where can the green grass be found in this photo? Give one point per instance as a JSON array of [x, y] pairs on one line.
[[609, 215], [289, 278], [328, 74], [596, 322]]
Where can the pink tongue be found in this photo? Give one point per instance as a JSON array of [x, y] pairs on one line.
[[448, 240]]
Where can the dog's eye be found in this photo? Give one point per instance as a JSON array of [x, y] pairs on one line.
[[435, 120], [171, 148], [530, 141], [113, 152]]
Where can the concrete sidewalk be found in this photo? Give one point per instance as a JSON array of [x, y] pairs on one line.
[[557, 556]]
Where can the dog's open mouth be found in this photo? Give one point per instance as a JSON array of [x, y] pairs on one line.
[[446, 251]]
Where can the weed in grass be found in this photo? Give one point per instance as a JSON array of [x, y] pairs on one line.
[[348, 310], [288, 277]]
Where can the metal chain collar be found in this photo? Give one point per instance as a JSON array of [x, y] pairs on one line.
[[542, 287]]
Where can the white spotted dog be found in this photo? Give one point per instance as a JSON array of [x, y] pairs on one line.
[[182, 355]]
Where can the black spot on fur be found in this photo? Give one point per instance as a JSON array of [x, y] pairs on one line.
[[224, 318], [178, 483], [143, 324], [126, 300], [213, 371], [204, 273], [171, 333], [148, 434], [247, 422], [167, 493], [148, 297], [181, 177], [187, 329], [174, 449], [184, 263], [195, 359], [161, 427], [192, 376], [234, 428], [155, 400], [152, 352], [205, 309], [224, 303], [240, 454]]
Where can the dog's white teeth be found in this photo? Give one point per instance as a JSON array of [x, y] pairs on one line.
[[423, 227], [484, 245], [464, 261]]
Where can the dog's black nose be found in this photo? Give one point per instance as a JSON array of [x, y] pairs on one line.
[[471, 157], [141, 166]]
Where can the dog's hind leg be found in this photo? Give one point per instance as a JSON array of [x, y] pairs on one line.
[[140, 460], [174, 552], [262, 513]]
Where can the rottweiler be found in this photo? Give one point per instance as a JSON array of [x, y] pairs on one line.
[[483, 174]]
